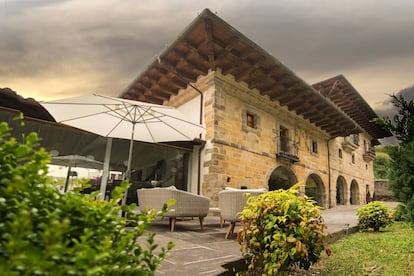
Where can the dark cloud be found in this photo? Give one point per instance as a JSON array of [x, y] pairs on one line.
[[330, 35], [103, 45], [387, 109]]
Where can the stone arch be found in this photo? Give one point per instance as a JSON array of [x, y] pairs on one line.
[[354, 192], [314, 188], [282, 178], [341, 191]]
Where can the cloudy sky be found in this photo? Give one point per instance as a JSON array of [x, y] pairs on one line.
[[51, 49]]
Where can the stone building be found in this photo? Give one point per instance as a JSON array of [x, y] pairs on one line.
[[265, 126]]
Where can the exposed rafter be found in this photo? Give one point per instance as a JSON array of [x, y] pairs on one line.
[[210, 44], [344, 95], [209, 33]]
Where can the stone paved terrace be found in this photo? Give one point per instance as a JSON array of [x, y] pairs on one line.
[[207, 253]]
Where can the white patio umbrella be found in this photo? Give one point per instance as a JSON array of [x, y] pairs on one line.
[[127, 119], [72, 161]]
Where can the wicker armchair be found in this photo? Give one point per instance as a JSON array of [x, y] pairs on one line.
[[232, 202], [186, 204]]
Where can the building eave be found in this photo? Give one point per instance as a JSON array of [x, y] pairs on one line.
[[209, 43], [340, 91]]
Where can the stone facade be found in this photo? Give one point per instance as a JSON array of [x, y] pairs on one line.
[[237, 154], [265, 127]]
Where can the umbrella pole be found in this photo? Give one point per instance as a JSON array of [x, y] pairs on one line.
[[105, 172], [67, 180], [128, 172]]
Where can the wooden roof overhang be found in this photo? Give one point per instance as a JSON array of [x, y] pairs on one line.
[[345, 96], [210, 43]]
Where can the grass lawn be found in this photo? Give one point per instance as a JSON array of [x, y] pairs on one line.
[[389, 252]]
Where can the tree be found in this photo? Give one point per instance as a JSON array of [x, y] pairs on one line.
[[402, 124], [401, 175], [382, 165]]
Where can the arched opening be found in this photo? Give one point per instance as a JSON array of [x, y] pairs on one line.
[[341, 191], [354, 199], [281, 178], [314, 188]]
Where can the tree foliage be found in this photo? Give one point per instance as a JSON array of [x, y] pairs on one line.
[[402, 124], [44, 232], [401, 175], [382, 164]]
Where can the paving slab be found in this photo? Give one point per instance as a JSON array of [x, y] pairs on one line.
[[207, 252]]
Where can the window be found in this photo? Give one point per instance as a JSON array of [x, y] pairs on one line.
[[355, 139], [251, 120], [340, 153], [314, 146], [353, 158], [284, 139]]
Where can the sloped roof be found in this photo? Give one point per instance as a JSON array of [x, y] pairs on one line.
[[209, 43], [28, 106], [340, 91]]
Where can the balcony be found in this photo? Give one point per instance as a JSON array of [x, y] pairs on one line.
[[349, 144], [369, 155], [287, 149]]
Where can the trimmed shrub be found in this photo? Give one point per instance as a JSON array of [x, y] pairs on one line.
[[281, 230], [373, 215], [45, 232]]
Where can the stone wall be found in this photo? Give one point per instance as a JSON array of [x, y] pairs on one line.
[[382, 192], [236, 155]]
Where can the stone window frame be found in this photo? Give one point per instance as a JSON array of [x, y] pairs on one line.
[[256, 121], [340, 153]]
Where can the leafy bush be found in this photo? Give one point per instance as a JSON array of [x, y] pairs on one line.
[[280, 230], [44, 232], [399, 213], [373, 215]]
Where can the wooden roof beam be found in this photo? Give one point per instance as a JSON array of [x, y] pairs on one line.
[[315, 105], [253, 68], [264, 88], [194, 50], [296, 101], [157, 95], [167, 92], [173, 70], [319, 108], [258, 82], [285, 98], [135, 91], [184, 60], [228, 48], [333, 125], [318, 116], [208, 26], [171, 79]]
